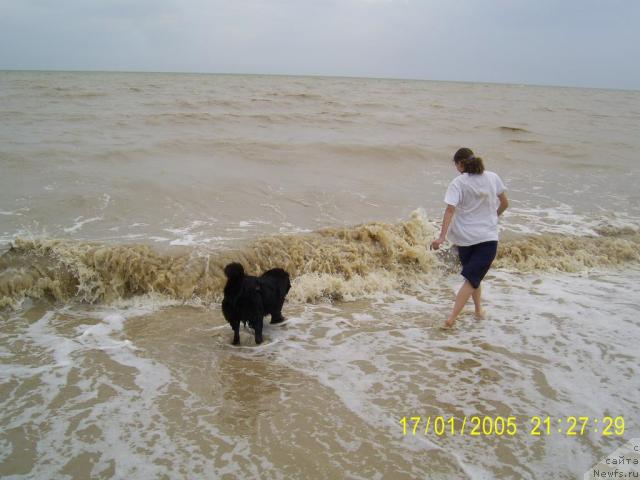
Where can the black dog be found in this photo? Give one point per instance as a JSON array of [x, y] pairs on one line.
[[249, 299]]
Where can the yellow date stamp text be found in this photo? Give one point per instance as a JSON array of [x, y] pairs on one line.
[[479, 425]]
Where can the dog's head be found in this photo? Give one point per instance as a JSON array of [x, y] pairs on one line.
[[234, 270]]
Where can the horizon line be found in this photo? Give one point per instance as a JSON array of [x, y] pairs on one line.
[[316, 75]]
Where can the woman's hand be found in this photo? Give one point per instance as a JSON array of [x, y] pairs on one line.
[[446, 221], [435, 245]]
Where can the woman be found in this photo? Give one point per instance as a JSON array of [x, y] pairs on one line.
[[475, 199]]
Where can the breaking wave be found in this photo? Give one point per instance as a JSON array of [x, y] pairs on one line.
[[505, 128], [332, 263], [568, 253]]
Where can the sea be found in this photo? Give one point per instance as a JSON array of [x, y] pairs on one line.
[[124, 195]]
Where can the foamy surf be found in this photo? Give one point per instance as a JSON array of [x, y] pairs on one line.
[[329, 264]]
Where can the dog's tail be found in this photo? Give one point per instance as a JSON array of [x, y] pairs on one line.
[[234, 271]]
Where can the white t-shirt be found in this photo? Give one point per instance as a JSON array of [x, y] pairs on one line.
[[476, 200]]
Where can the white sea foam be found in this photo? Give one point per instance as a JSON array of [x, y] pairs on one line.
[[564, 220], [128, 432], [251, 223], [198, 232], [159, 239], [106, 199], [80, 222]]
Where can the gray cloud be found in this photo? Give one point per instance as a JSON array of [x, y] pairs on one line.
[[572, 42]]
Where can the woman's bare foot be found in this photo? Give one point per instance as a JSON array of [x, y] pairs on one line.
[[448, 324], [479, 315]]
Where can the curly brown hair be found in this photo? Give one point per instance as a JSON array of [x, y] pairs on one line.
[[470, 163]]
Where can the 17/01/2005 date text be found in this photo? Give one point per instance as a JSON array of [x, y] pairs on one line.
[[498, 426]]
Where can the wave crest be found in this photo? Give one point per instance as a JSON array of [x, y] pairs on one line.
[[555, 252], [332, 263], [351, 259]]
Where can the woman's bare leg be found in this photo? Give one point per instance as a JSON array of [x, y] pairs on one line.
[[477, 298], [466, 290]]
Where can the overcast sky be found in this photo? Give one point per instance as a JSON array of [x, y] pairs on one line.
[[592, 43]]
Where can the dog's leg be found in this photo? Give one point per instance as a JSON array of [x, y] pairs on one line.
[[236, 332], [276, 316], [257, 325]]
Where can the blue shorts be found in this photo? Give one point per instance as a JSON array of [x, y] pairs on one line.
[[476, 260]]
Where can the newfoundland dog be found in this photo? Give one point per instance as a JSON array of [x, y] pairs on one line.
[[248, 299]]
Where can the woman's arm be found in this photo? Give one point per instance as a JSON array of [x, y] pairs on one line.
[[446, 221], [504, 203]]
